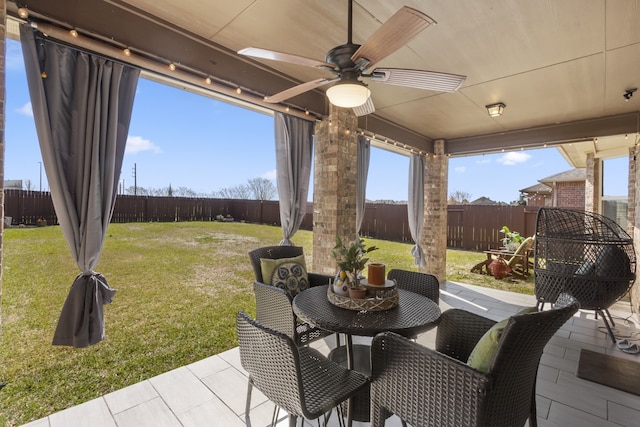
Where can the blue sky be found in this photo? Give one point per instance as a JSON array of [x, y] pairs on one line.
[[187, 140]]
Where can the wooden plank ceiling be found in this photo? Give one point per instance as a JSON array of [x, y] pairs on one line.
[[561, 67]]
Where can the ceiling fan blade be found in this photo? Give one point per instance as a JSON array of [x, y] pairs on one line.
[[297, 90], [364, 109], [257, 52], [403, 26], [420, 79]]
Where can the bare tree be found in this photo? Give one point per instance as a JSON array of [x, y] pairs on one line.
[[236, 192], [262, 188], [184, 192], [224, 193], [28, 185], [155, 191], [138, 191], [459, 198], [167, 191]]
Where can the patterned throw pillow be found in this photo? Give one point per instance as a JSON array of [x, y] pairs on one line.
[[269, 265], [290, 276]]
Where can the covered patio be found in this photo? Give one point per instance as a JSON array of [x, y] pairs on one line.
[[566, 74], [212, 391]]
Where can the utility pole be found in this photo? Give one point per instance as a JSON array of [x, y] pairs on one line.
[[135, 180], [40, 176]]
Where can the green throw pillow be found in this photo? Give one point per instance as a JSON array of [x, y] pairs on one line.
[[268, 266], [482, 354]]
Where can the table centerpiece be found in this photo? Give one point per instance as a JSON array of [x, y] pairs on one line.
[[348, 290], [351, 260]]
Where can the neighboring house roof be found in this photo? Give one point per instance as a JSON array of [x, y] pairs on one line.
[[577, 174], [483, 201], [538, 188]]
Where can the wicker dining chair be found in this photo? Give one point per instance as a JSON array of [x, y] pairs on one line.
[[427, 387], [297, 379], [424, 284], [273, 305], [586, 255], [421, 283]]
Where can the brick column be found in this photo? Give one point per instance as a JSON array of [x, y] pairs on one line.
[[631, 192], [434, 230], [3, 96], [593, 184], [334, 185], [633, 226]]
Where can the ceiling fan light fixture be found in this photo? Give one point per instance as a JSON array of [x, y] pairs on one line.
[[348, 94], [495, 110]]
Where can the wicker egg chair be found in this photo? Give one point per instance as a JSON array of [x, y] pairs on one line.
[[586, 255]]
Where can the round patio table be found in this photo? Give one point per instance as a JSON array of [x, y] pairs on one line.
[[414, 314]]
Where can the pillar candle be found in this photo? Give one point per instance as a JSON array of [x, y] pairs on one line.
[[376, 274]]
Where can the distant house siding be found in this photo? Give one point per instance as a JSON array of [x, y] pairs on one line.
[[570, 195]]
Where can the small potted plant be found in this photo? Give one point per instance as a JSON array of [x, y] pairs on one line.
[[351, 261], [512, 239]]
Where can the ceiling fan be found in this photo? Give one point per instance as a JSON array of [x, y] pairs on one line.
[[350, 62]]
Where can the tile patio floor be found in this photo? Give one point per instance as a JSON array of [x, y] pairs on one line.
[[212, 391]]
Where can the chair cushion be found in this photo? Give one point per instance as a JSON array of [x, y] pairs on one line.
[[286, 273], [612, 261], [482, 354], [586, 269]]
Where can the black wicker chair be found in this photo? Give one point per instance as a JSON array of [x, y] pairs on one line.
[[421, 283], [273, 305], [586, 255], [298, 379], [427, 387]]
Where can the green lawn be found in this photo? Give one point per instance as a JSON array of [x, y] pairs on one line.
[[179, 287]]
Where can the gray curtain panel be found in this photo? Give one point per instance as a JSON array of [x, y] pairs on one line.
[[294, 147], [415, 206], [82, 107], [364, 154]]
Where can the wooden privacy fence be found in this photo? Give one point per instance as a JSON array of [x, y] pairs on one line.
[[26, 207], [478, 227], [468, 226]]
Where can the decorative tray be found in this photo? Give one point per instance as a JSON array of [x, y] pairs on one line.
[[388, 284], [387, 302]]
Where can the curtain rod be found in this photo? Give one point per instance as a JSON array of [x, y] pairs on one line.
[[214, 89]]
